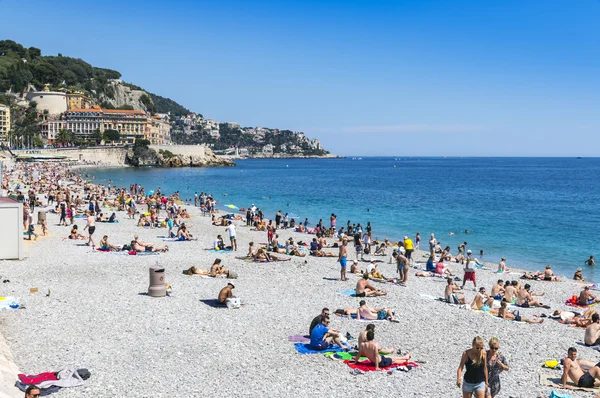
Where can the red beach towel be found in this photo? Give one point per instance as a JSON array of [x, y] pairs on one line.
[[368, 366]]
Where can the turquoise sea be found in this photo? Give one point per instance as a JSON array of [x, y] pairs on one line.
[[533, 211]]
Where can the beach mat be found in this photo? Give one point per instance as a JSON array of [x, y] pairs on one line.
[[305, 349], [298, 338], [550, 380], [218, 251], [593, 347], [368, 366], [132, 253], [348, 292], [213, 303], [344, 356]]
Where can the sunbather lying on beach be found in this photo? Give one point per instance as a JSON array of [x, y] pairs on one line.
[[365, 289], [263, 256], [370, 349], [346, 312], [453, 293], [374, 314], [586, 297], [575, 319], [504, 313], [321, 253], [525, 298], [104, 245], [141, 248], [572, 369], [546, 275]]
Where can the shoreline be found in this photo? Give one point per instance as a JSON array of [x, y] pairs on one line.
[[516, 260]]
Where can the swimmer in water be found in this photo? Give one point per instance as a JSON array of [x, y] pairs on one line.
[[467, 231], [450, 233]]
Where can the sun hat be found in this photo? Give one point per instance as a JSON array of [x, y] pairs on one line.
[[469, 252]]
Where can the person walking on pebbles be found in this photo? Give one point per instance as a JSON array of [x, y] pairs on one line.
[[475, 382], [91, 227]]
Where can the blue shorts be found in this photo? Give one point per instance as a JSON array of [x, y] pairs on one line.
[[382, 315], [486, 308], [472, 387], [343, 262]]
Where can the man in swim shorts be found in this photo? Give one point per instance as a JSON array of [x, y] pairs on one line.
[[365, 289], [572, 370], [370, 349], [322, 338], [586, 297], [374, 314], [342, 258], [482, 301]]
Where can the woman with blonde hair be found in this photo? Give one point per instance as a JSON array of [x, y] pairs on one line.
[[496, 364], [475, 383]]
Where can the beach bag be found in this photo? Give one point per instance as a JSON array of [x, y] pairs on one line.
[[233, 302], [553, 363], [232, 275]]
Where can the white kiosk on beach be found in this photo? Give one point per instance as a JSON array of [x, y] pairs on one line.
[[11, 232]]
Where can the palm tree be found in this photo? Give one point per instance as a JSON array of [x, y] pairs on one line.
[[64, 137]]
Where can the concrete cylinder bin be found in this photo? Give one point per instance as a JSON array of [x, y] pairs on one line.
[[41, 216], [157, 286]]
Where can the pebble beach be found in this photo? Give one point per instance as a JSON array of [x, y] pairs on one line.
[[92, 310]]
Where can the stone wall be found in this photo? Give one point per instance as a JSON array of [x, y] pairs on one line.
[[111, 156]]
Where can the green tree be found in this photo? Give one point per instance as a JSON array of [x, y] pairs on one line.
[[37, 142], [142, 143], [97, 136], [111, 135], [64, 137]]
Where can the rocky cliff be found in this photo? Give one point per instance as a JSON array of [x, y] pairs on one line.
[[144, 156]]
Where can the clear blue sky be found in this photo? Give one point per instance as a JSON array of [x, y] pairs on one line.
[[417, 77]]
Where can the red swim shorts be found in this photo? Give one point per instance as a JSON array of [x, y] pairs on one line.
[[470, 276]]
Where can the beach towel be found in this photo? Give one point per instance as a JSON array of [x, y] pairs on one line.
[[9, 303], [368, 366], [348, 292], [353, 317], [213, 303], [554, 394], [305, 349], [593, 347], [134, 253], [217, 251], [344, 356], [299, 338], [551, 380]]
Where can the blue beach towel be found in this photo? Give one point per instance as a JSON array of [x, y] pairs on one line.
[[348, 292], [305, 349], [218, 251]]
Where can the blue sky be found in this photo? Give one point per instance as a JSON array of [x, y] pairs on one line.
[[460, 78]]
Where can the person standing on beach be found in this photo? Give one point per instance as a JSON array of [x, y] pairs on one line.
[[91, 227], [432, 243], [409, 247], [475, 383], [417, 240], [332, 220], [342, 258], [278, 219], [231, 230], [469, 274], [496, 364]]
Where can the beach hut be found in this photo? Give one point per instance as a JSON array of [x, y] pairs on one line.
[[11, 233]]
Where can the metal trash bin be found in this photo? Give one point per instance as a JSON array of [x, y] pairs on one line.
[[41, 216], [157, 286]]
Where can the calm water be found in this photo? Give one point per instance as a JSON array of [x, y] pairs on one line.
[[533, 211]]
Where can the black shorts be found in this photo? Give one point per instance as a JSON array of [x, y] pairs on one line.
[[91, 230], [363, 294], [409, 253], [385, 362], [586, 380], [148, 249]]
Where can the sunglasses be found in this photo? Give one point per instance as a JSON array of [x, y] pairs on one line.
[[494, 348]]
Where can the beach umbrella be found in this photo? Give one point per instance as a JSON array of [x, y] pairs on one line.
[[232, 207]]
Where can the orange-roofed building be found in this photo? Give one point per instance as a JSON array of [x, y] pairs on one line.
[[84, 122]]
